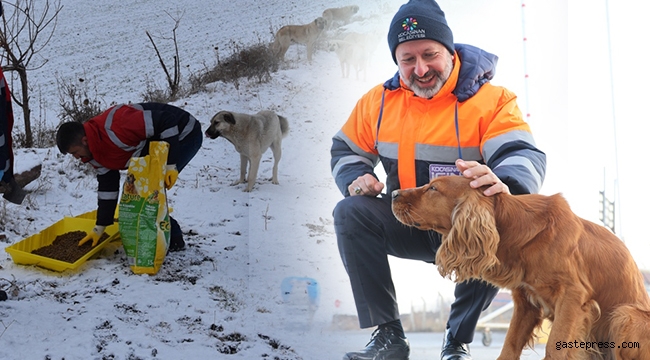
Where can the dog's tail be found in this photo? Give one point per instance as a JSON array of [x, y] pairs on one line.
[[630, 331], [284, 125]]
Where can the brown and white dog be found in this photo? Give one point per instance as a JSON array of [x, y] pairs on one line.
[[575, 273], [354, 51], [299, 34], [251, 135], [340, 15]]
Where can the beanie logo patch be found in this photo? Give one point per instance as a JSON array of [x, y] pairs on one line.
[[409, 24], [411, 31]]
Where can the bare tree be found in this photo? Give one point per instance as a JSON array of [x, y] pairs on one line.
[[172, 81], [23, 34]]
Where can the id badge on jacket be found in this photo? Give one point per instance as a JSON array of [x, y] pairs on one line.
[[436, 170]]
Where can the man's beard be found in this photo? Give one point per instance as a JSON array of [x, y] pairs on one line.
[[429, 92]]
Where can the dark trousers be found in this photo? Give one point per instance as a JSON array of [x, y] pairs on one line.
[[367, 232], [190, 145]]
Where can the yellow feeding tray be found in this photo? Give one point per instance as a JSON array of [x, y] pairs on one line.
[[21, 252]]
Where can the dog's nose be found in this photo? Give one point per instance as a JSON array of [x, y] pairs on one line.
[[394, 194]]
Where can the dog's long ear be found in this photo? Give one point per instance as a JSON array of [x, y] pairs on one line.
[[469, 250], [229, 117]]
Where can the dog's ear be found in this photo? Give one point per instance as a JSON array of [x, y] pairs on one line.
[[469, 250], [229, 118]]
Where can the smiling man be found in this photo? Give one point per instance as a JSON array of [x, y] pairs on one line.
[[439, 115]]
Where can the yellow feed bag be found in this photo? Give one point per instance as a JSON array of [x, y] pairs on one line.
[[143, 215]]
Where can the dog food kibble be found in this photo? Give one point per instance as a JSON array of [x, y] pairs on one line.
[[65, 247]]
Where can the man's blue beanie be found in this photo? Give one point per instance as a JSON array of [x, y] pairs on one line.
[[419, 19]]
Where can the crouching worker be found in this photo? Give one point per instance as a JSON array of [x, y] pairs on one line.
[[109, 140]]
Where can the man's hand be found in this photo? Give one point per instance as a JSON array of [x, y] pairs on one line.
[[482, 176], [365, 185], [171, 174], [93, 235]]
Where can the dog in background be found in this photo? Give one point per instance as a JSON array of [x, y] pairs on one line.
[[354, 51], [251, 135], [558, 266], [339, 16], [299, 34]]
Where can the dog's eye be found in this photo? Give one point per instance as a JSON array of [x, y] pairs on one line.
[[432, 188]]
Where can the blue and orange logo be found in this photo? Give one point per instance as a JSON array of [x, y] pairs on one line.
[[409, 24]]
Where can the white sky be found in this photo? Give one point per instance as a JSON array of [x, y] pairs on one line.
[[592, 95]]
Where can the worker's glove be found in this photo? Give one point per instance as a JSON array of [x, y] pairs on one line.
[[93, 235], [171, 174]]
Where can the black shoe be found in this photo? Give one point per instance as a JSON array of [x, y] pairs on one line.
[[383, 345], [453, 349], [176, 243]]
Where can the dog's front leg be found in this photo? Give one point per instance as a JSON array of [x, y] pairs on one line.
[[525, 318], [242, 170], [575, 314], [252, 172], [310, 51]]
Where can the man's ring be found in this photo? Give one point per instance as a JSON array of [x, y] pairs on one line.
[[357, 190]]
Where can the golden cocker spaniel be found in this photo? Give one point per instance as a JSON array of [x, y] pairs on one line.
[[575, 273]]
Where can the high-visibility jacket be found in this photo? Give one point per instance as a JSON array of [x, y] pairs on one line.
[[469, 118], [125, 131]]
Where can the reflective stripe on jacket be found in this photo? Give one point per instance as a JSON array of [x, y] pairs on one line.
[[123, 132], [415, 132]]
